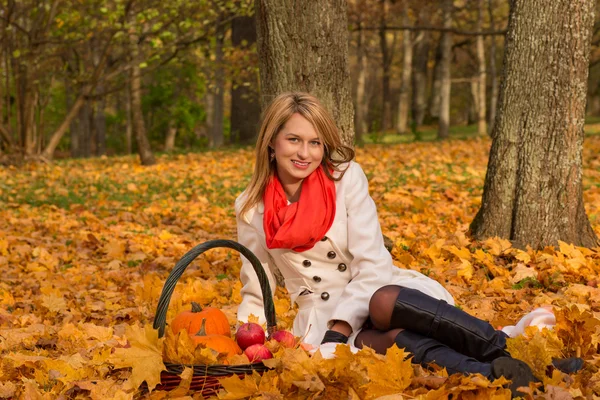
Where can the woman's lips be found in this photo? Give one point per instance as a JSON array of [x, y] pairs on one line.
[[300, 165]]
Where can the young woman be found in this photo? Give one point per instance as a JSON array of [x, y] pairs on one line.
[[307, 212]]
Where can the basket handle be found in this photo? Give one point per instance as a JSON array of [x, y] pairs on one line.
[[160, 318]]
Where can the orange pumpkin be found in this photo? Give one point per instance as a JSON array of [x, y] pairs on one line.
[[216, 321], [220, 343]]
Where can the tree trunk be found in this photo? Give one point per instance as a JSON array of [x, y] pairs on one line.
[[128, 123], [493, 73], [100, 124], [403, 103], [446, 41], [137, 116], [245, 105], [481, 74], [48, 152], [217, 132], [533, 192], [386, 61], [436, 86], [303, 45], [361, 100], [419, 77], [84, 130], [74, 125], [170, 137]]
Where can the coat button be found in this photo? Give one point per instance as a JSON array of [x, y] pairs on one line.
[[342, 267], [317, 278], [331, 255], [306, 263], [324, 238], [325, 296]]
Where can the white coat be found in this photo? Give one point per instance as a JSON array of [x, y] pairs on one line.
[[339, 274]]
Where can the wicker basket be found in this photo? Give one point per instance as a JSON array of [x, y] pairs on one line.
[[206, 377]]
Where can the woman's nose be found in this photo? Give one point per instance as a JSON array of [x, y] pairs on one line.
[[303, 150]]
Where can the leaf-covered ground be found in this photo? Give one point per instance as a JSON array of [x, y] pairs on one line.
[[86, 246]]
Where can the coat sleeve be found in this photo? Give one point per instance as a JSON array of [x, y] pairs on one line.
[[371, 263], [252, 299]]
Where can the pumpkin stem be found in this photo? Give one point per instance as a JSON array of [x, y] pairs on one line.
[[196, 307], [202, 331]]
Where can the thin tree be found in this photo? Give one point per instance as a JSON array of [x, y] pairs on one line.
[[493, 73], [481, 74], [533, 191], [403, 103], [444, 118]]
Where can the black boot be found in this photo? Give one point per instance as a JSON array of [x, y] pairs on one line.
[[427, 350], [516, 371], [453, 327], [568, 365]]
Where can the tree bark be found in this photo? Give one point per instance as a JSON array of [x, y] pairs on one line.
[[403, 103], [444, 119], [533, 191], [217, 132], [419, 77], [245, 105], [84, 130], [361, 99], [436, 86], [137, 117], [481, 75], [128, 123], [386, 62], [170, 137], [303, 45], [493, 73], [100, 124]]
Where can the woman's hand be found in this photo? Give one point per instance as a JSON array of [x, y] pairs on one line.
[[342, 327]]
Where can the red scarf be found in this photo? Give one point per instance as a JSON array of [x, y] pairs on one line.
[[298, 226]]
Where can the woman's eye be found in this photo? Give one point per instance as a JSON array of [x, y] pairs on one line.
[[315, 143], [294, 140]]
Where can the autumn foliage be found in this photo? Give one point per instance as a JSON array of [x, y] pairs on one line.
[[86, 246]]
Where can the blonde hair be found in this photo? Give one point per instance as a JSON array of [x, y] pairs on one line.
[[277, 113]]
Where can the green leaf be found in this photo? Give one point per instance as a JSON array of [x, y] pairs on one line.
[[16, 53]]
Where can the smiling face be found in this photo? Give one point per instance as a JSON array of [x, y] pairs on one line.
[[298, 152]]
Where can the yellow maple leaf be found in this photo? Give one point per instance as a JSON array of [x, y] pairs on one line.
[[537, 348], [115, 250], [465, 270], [497, 246], [144, 357], [165, 235], [577, 327], [7, 390], [235, 388], [53, 302], [184, 385], [522, 272], [462, 253], [391, 375]]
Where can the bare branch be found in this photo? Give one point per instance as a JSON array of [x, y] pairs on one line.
[[435, 29]]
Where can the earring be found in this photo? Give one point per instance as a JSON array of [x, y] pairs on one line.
[[271, 155]]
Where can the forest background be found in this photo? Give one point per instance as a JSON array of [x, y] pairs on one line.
[[126, 132], [66, 69]]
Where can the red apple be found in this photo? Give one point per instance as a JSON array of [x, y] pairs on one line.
[[249, 334], [285, 338], [257, 353]]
